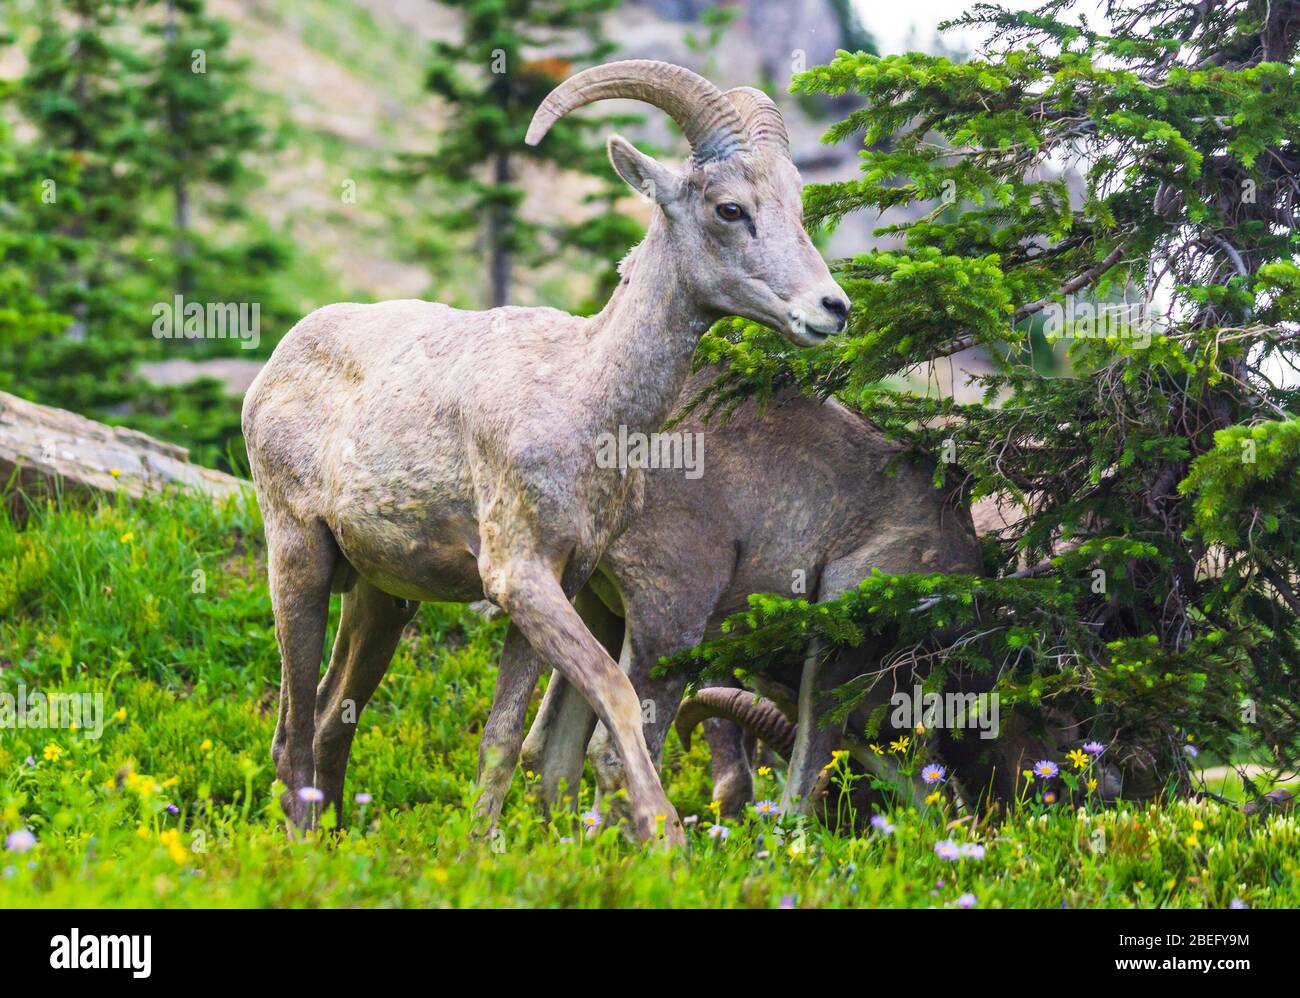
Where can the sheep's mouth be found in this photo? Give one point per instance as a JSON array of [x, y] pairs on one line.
[[815, 336], [802, 329]]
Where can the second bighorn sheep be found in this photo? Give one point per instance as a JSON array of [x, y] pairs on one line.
[[798, 491], [409, 451]]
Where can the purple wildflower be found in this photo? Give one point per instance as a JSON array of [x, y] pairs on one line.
[[947, 849], [1094, 748], [966, 901], [933, 774], [1045, 769], [20, 841]]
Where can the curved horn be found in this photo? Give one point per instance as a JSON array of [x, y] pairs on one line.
[[758, 716], [763, 122], [710, 122]]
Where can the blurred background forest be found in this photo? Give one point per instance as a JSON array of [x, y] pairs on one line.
[[291, 154]]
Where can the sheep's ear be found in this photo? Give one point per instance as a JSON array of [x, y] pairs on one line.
[[644, 174]]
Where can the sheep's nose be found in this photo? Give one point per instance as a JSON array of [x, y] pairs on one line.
[[837, 307]]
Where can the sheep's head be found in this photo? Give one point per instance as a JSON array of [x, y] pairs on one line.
[[735, 212]]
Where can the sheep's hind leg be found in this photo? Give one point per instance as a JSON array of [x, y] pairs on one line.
[[301, 559], [370, 628]]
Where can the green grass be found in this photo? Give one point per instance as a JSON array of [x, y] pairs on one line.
[[105, 598]]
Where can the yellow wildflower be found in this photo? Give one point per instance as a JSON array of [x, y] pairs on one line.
[[1092, 784], [206, 746], [120, 713], [900, 745], [175, 848], [143, 785], [764, 770], [115, 472], [1198, 825], [933, 798], [877, 749], [52, 752], [1079, 758], [127, 537]]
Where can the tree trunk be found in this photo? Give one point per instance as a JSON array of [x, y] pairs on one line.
[[180, 194], [498, 231]]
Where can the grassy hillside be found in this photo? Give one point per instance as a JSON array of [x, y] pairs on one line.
[[161, 606]]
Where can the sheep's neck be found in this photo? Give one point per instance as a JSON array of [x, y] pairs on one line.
[[644, 338]]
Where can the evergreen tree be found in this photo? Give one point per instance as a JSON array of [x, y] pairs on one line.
[[75, 208], [1151, 581], [132, 142], [195, 103], [511, 54]]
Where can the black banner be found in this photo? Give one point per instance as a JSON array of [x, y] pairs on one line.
[[333, 947]]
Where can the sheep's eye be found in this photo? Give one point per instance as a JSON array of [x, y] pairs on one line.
[[729, 211]]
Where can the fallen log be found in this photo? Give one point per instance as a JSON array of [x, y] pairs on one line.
[[44, 449]]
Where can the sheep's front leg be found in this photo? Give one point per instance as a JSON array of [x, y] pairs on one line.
[[503, 733], [816, 738], [670, 593], [557, 741], [530, 592]]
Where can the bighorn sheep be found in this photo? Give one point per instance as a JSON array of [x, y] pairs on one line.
[[410, 451], [797, 493]]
